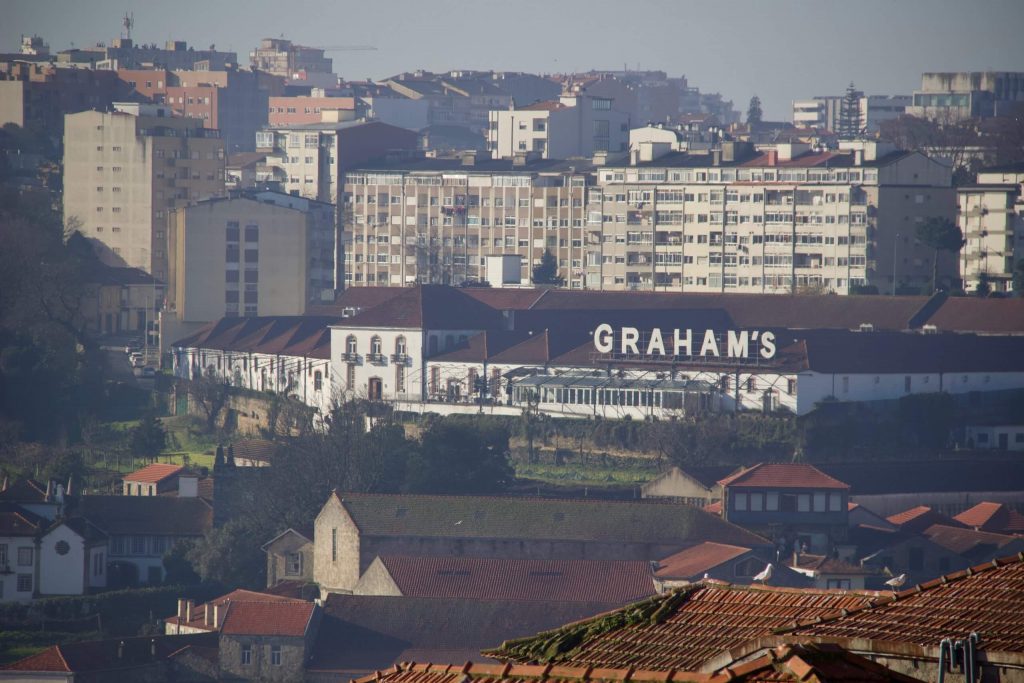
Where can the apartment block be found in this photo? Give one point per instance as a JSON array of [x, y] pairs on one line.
[[954, 96], [991, 216], [437, 220], [824, 112], [123, 53], [577, 125], [249, 255], [310, 159], [783, 220], [124, 170], [284, 58]]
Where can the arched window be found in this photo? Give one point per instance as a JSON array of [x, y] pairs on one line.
[[318, 381], [401, 348], [376, 346], [350, 345]]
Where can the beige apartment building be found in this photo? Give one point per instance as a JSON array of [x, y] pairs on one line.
[[124, 170], [782, 220], [991, 216], [437, 220], [574, 125]]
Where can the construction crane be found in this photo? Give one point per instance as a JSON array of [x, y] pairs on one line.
[[343, 48]]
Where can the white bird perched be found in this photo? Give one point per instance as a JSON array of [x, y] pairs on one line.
[[458, 522], [765, 574], [706, 576], [896, 581]]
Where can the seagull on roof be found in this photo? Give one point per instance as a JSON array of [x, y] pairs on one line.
[[706, 576], [458, 522], [765, 574], [896, 581]]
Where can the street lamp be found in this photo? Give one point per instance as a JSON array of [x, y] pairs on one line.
[[895, 244]]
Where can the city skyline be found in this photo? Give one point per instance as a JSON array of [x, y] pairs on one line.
[[781, 52]]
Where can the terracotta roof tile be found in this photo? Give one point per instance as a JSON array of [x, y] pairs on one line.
[[240, 595], [987, 599], [103, 655], [697, 560], [917, 519], [678, 630], [975, 546], [268, 618], [621, 582], [782, 475], [155, 473], [646, 521], [997, 517]]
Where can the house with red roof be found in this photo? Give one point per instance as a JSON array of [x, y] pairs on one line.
[[996, 517], [798, 505], [153, 479]]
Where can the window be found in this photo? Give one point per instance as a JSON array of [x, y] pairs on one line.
[[771, 501], [756, 502], [97, 564], [293, 564], [376, 346], [334, 545], [835, 502], [841, 584], [117, 545], [318, 381], [400, 378], [25, 557], [739, 502], [400, 346], [350, 345], [819, 501], [275, 655], [906, 384], [246, 654], [138, 545], [25, 583], [803, 502]]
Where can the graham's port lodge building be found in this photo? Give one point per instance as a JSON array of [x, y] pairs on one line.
[[433, 348]]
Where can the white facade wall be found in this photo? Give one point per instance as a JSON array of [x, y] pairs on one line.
[[14, 551], [308, 379], [992, 221], [82, 567], [996, 436]]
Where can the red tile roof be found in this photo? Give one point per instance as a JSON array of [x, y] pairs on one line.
[[621, 582], [826, 564], [103, 655], [678, 630], [812, 663], [973, 545], [298, 335], [239, 595], [155, 473], [279, 618], [695, 561], [917, 519], [995, 517], [782, 475], [987, 599], [428, 306]]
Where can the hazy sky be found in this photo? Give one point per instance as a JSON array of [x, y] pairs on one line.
[[779, 49]]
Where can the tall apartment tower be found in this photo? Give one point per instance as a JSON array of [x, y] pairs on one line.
[[123, 171]]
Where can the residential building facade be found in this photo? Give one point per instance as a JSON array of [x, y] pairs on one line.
[[575, 125], [284, 58], [948, 97], [825, 112], [991, 217], [123, 172]]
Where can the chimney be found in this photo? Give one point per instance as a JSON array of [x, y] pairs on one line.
[[773, 157], [120, 650], [189, 605], [67, 491], [858, 157], [4, 487], [181, 609], [49, 491], [152, 647], [207, 614], [716, 157]]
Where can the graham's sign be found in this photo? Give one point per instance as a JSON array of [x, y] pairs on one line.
[[684, 342]]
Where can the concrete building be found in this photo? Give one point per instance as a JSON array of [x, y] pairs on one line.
[[124, 53], [575, 125], [312, 159], [124, 170], [953, 96], [285, 111], [437, 220], [991, 217], [824, 112], [284, 58], [250, 255]]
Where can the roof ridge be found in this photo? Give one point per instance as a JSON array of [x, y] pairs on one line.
[[939, 582]]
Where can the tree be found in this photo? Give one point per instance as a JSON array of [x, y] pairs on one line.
[[850, 127], [231, 555], [754, 113], [546, 272], [177, 568], [148, 439], [984, 287], [461, 458], [1018, 278], [940, 234], [211, 395]]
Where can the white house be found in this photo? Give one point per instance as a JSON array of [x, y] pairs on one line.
[[72, 559]]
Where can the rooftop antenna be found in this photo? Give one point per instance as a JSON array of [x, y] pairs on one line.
[[128, 22]]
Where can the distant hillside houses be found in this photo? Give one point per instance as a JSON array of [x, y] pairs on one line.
[[433, 348]]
